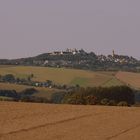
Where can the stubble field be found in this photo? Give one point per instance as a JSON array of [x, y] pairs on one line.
[[26, 121]]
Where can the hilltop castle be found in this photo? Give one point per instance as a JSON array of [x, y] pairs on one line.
[[68, 52]]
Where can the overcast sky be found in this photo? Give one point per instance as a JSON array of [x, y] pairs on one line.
[[31, 27]]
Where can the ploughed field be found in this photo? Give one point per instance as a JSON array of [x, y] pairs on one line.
[[26, 121]]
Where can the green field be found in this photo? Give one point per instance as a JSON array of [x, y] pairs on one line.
[[113, 82]]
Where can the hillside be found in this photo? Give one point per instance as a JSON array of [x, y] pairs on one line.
[[68, 77], [63, 76], [20, 121], [71, 76], [79, 59], [59, 76]]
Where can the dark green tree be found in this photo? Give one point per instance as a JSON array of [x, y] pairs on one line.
[[8, 78]]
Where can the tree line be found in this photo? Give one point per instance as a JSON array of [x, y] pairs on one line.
[[119, 95], [26, 95], [113, 96], [10, 78]]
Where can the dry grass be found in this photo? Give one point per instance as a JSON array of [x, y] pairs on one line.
[[25, 121]]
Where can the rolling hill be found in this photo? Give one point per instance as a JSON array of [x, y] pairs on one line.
[[62, 76], [78, 59], [67, 76]]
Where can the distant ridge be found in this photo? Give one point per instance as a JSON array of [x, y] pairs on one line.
[[79, 59]]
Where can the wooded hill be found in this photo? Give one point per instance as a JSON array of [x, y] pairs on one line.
[[79, 59]]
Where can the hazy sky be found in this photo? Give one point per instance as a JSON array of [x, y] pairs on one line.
[[30, 27]]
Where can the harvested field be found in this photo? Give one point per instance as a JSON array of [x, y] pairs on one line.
[[130, 78], [26, 121]]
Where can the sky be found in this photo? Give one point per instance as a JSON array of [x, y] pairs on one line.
[[32, 27]]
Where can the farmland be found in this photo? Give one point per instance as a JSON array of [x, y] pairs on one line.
[[62, 76], [67, 122], [131, 79], [68, 77], [42, 92]]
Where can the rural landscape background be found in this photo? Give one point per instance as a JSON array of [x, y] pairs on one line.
[[41, 99], [52, 77], [69, 70]]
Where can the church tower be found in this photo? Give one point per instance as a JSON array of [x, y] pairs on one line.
[[113, 53]]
